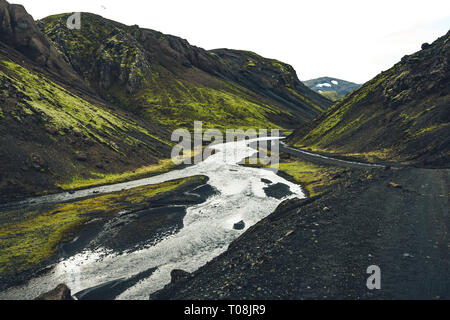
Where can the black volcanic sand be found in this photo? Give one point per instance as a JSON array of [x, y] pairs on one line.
[[133, 228], [320, 248], [127, 231]]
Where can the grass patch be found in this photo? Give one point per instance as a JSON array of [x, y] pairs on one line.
[[65, 111], [312, 177], [99, 179], [104, 179]]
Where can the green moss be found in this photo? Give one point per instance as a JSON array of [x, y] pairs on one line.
[[64, 111], [410, 116], [429, 129], [301, 97], [312, 177], [105, 179], [157, 94], [30, 238], [178, 104], [282, 67], [249, 63], [331, 95]]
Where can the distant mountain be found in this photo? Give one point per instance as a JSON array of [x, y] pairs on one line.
[[403, 114], [332, 88]]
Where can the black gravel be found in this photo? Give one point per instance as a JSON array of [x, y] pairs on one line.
[[320, 248]]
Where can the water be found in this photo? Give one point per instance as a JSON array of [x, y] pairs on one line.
[[207, 232]]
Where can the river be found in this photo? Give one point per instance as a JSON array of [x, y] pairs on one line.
[[207, 228]]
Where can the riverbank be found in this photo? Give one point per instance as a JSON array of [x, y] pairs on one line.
[[35, 239]]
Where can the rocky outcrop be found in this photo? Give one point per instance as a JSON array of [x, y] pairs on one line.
[[239, 225], [177, 275], [18, 30], [61, 292]]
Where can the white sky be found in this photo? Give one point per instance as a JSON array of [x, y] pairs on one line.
[[348, 39]]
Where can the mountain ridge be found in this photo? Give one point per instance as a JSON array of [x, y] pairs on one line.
[[401, 115], [164, 74]]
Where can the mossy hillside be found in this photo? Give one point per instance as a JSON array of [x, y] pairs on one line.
[[275, 79], [160, 96], [99, 42], [180, 104], [163, 78], [95, 178], [400, 115], [52, 135], [27, 239], [333, 118], [65, 111], [331, 95]]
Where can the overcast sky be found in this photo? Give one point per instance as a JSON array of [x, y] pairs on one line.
[[348, 39]]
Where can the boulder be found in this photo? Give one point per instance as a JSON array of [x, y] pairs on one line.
[[239, 226], [178, 275], [19, 30], [61, 292]]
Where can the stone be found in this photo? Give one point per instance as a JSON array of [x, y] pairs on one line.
[[61, 292], [394, 185], [239, 226], [178, 275]]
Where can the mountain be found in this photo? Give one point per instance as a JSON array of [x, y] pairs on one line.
[[97, 105], [165, 79], [331, 88], [53, 129], [402, 114]]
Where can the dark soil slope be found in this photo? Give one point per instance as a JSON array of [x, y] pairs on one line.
[[402, 114]]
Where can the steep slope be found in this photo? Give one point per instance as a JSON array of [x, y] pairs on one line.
[[18, 30], [164, 78], [331, 88], [53, 130], [402, 114]]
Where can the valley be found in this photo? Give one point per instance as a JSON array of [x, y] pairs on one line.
[[93, 201]]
